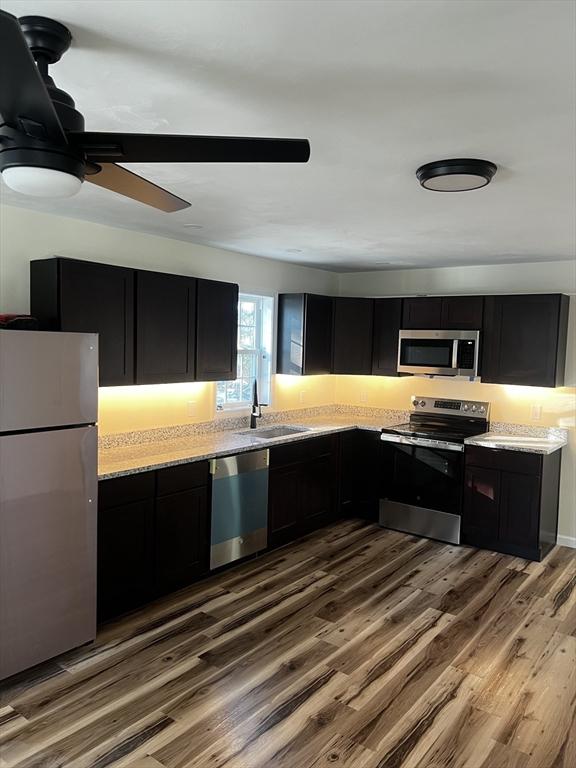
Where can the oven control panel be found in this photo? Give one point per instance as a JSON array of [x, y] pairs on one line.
[[473, 408]]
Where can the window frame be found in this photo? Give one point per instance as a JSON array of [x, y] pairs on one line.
[[243, 406]]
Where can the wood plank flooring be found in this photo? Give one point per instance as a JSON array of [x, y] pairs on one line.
[[355, 647]]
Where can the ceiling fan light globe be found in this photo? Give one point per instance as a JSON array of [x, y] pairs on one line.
[[41, 182]]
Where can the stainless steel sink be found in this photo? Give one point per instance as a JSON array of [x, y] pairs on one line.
[[269, 433]]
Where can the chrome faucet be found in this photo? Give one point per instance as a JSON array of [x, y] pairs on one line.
[[256, 412]]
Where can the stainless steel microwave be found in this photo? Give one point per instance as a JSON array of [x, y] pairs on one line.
[[439, 353]]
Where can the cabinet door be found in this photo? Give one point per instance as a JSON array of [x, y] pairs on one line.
[[317, 334], [81, 296], [519, 513], [524, 339], [181, 539], [422, 312], [165, 334], [387, 323], [360, 473], [124, 558], [318, 493], [462, 313], [216, 330], [284, 504], [290, 334], [481, 510], [352, 336]]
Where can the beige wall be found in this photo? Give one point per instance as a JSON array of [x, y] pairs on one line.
[[27, 235], [544, 277]]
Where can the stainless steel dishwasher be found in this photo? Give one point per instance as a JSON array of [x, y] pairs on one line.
[[239, 506]]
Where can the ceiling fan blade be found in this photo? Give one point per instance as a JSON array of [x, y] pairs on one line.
[[24, 101], [124, 182], [165, 148]]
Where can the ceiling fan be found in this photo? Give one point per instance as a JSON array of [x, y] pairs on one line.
[[44, 150]]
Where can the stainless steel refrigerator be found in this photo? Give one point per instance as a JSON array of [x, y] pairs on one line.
[[48, 495]]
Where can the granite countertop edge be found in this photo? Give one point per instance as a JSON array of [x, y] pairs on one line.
[[482, 441], [124, 465], [238, 444]]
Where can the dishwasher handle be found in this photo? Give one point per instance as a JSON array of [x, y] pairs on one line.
[[239, 464]]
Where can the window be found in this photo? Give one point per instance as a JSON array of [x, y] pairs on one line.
[[255, 324]]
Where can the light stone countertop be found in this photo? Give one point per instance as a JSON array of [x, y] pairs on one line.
[[528, 441], [130, 459], [119, 457]]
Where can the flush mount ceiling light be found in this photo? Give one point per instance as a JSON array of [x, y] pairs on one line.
[[455, 175]]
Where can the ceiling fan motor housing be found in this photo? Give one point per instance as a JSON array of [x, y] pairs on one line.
[[27, 151], [47, 40]]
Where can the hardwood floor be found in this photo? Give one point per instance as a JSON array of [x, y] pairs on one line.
[[355, 647]]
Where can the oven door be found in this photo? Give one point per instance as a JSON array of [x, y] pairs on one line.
[[422, 490], [438, 353]]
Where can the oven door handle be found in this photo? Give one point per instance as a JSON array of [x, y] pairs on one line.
[[422, 442]]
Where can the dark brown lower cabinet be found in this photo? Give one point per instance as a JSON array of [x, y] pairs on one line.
[[153, 535], [511, 501], [360, 473], [181, 539], [318, 492], [284, 504], [302, 488], [124, 547], [125, 533], [481, 516]]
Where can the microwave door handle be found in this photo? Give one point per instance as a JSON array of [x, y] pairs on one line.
[[455, 354]]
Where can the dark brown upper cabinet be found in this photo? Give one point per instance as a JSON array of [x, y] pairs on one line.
[[422, 312], [216, 330], [461, 313], [352, 335], [304, 334], [82, 296], [165, 328], [524, 339], [387, 324]]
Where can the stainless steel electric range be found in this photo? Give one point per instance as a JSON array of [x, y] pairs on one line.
[[424, 466]]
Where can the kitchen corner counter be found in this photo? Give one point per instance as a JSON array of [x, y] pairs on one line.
[[527, 440], [135, 452], [133, 457]]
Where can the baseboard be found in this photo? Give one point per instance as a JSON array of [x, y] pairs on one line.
[[566, 541]]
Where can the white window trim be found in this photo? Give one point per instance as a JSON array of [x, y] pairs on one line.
[[244, 408]]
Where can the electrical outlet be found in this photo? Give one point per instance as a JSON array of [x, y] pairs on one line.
[[302, 395], [536, 412], [191, 408], [363, 396]]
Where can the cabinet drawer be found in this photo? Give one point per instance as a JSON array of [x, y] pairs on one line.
[[182, 477], [119, 491], [304, 450], [509, 461]]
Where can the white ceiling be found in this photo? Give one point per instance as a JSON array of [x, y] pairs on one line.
[[378, 87]]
